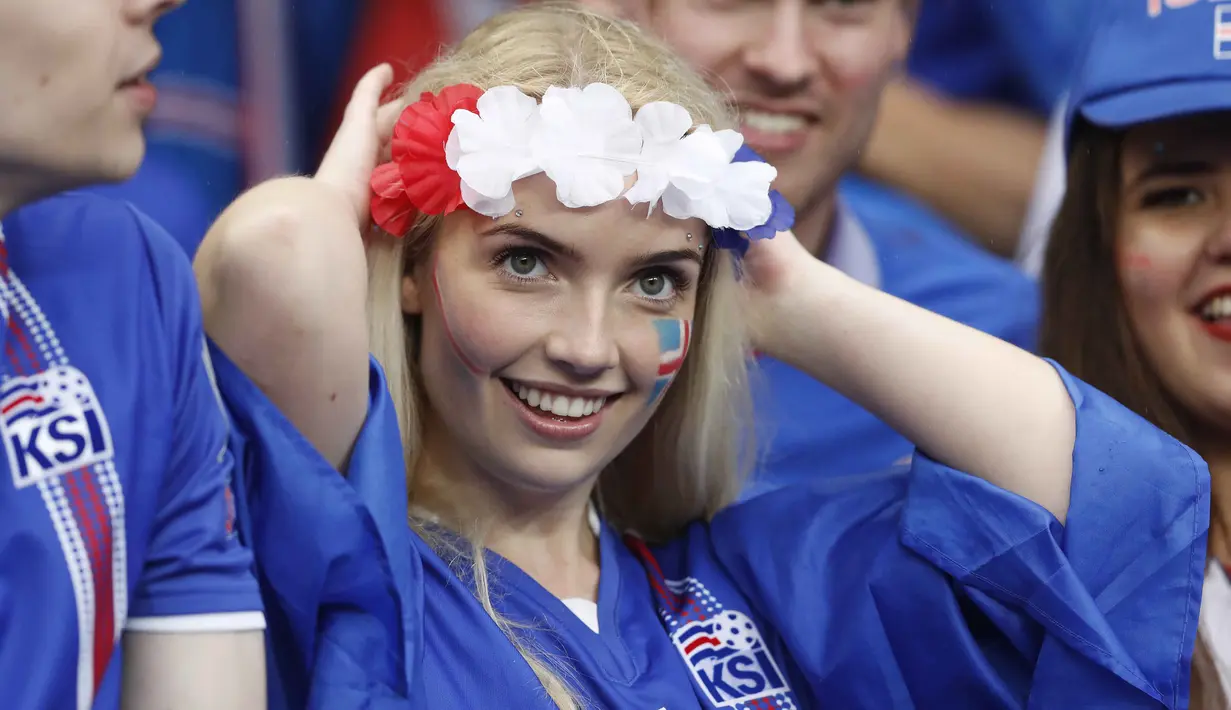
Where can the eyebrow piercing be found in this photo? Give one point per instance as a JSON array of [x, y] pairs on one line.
[[518, 213], [688, 236]]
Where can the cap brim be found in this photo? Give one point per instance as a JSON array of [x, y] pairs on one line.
[[1154, 103]]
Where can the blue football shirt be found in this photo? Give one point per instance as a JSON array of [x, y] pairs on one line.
[[908, 589], [114, 512]]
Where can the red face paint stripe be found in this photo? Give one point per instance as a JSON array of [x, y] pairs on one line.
[[444, 319]]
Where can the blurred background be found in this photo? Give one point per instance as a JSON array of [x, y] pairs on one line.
[[254, 88]]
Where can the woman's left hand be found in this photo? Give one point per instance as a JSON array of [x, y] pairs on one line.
[[775, 273]]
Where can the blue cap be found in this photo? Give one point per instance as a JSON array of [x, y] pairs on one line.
[[1154, 59]]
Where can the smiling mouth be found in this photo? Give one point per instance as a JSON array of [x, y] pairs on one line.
[[1215, 309], [554, 405]]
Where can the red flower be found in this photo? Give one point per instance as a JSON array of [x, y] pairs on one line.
[[419, 179]]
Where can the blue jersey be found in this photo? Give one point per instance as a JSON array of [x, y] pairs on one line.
[[114, 512], [923, 588], [807, 430]]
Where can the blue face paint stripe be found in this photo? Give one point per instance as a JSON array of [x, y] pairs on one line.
[[673, 340]]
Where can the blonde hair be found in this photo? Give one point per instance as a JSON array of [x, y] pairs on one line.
[[690, 460]]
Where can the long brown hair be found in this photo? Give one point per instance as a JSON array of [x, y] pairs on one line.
[[1085, 324]]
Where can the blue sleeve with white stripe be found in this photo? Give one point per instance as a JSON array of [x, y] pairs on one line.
[[195, 565]]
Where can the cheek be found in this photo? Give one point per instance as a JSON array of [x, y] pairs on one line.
[[859, 61], [692, 36], [1152, 277], [673, 336], [483, 330]]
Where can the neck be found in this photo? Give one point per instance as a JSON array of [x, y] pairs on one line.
[[545, 533], [1218, 456], [21, 184], [814, 222]]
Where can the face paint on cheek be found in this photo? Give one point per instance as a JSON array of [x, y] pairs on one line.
[[674, 337], [444, 319], [1136, 262]]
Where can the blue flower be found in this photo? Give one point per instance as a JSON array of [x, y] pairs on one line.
[[781, 217]]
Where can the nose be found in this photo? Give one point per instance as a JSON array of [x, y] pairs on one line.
[[781, 53], [581, 344], [1218, 246], [147, 12]]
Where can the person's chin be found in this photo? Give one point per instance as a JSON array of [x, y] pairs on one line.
[[125, 158], [552, 471]]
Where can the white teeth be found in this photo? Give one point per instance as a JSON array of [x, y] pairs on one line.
[[558, 404], [774, 122], [1216, 308]]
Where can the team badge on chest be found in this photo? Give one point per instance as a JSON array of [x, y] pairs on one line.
[[723, 648], [52, 424]]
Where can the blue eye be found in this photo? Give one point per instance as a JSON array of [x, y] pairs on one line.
[[656, 286], [524, 264]]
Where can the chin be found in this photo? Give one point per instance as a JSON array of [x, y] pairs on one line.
[[551, 471], [123, 161]]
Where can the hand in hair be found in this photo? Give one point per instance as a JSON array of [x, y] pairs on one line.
[[965, 398], [283, 280], [361, 141]]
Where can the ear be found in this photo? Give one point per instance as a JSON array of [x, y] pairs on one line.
[[412, 301]]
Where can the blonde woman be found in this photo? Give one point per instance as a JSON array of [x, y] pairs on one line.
[[556, 402]]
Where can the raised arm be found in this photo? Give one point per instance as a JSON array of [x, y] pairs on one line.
[[283, 281], [965, 398]]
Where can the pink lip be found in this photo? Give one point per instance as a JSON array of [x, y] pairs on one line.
[[552, 427], [142, 93], [1213, 293]]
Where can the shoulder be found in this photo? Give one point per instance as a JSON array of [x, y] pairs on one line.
[[811, 516], [77, 229]]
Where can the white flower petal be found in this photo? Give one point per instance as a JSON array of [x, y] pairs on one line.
[[731, 141], [662, 122], [453, 149], [489, 173], [677, 203], [506, 107], [492, 207], [744, 191], [651, 182]]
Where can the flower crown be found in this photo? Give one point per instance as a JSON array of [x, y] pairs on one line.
[[468, 146]]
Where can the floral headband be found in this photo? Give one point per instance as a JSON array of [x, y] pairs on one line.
[[468, 146]]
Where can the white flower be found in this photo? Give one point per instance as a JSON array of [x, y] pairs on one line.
[[587, 143], [706, 184], [662, 125], [491, 150]]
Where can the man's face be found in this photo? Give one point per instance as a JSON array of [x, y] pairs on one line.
[[72, 74], [807, 75]]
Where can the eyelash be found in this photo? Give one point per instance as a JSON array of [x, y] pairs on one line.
[[1169, 197], [679, 282]]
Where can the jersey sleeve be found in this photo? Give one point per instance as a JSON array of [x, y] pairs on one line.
[[197, 576], [902, 589], [333, 552]]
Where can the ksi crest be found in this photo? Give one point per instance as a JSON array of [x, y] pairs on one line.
[[52, 424], [722, 647]]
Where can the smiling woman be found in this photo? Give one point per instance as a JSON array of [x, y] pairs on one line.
[[1138, 269], [558, 403]]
